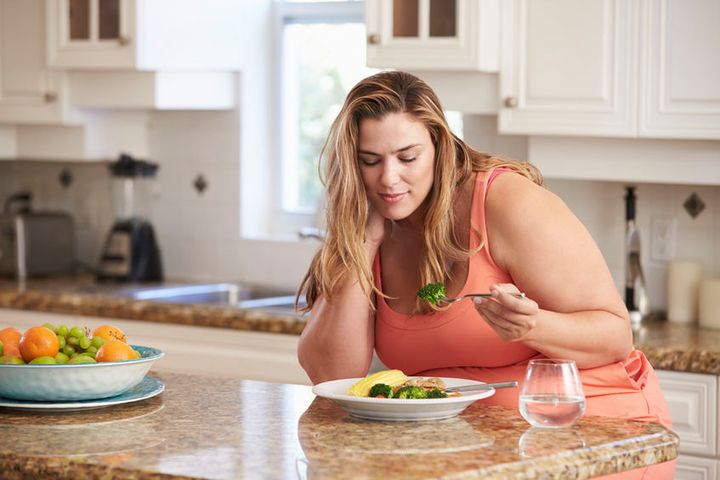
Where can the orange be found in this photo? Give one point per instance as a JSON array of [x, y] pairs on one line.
[[109, 332], [10, 337], [116, 351], [38, 342]]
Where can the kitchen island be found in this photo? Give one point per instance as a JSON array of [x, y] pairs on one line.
[[203, 427]]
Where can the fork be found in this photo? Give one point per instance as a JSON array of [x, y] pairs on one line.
[[484, 295]]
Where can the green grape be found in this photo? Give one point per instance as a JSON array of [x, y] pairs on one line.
[[61, 341], [68, 350], [97, 342], [81, 359], [74, 341], [61, 358], [91, 350], [42, 360], [49, 325], [84, 342], [62, 330], [13, 359], [77, 332]]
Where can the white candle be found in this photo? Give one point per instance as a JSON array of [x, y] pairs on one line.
[[709, 305], [683, 288]]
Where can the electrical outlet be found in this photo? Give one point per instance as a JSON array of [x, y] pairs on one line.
[[662, 238]]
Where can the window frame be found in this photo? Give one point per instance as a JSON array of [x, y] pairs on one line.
[[352, 11]]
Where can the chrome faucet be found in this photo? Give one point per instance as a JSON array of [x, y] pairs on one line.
[[312, 232]]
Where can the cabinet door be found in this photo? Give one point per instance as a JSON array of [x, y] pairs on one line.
[[697, 468], [692, 399], [91, 33], [568, 67], [681, 69], [433, 34], [29, 91]]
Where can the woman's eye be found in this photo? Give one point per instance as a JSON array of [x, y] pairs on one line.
[[368, 162], [406, 160]]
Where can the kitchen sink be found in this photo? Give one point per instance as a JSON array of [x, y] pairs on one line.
[[227, 294]]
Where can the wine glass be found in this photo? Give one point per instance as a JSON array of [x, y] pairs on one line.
[[552, 394]]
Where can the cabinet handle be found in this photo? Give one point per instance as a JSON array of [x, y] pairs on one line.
[[50, 97], [123, 40], [510, 102], [373, 39]]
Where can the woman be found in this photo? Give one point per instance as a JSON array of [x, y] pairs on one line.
[[409, 203]]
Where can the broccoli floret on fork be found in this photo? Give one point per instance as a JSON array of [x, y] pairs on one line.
[[432, 293]]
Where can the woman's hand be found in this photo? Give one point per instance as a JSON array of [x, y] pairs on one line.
[[511, 317]]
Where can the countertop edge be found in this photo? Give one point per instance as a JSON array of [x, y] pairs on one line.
[[602, 460]]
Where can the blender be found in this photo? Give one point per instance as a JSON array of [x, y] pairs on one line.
[[131, 252]]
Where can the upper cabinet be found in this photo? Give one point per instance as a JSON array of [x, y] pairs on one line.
[[144, 34], [680, 82], [433, 34], [29, 91], [611, 68], [568, 67]]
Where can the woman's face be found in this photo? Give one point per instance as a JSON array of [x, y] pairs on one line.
[[397, 159]]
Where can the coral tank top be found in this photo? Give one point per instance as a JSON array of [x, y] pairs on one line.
[[457, 337]]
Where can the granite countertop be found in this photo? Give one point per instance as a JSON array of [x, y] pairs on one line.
[[667, 345], [203, 427], [81, 295], [678, 347]]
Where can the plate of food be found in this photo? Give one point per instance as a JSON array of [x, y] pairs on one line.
[[390, 395]]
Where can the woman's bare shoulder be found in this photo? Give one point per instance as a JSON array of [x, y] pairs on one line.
[[524, 215], [512, 193]]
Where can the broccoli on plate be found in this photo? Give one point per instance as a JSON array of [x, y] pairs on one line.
[[381, 390], [436, 393], [411, 392]]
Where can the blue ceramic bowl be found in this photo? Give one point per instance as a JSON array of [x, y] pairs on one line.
[[79, 381]]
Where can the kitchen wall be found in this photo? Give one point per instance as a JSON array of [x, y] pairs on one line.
[[199, 231]]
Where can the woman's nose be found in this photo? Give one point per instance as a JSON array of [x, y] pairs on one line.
[[389, 175]]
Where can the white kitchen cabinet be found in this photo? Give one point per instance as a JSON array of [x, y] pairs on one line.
[[29, 91], [568, 68], [270, 357], [611, 68], [433, 34], [697, 468], [680, 58], [692, 399], [144, 34]]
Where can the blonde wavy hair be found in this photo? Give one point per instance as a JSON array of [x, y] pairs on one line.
[[342, 252]]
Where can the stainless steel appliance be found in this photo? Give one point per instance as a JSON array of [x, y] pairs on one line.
[[131, 252], [35, 244], [636, 299]]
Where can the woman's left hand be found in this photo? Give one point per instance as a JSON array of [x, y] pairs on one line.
[[511, 317]]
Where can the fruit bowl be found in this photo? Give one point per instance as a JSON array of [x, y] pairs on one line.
[[79, 381]]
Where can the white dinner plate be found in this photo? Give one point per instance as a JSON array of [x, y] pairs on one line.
[[147, 388], [399, 409]]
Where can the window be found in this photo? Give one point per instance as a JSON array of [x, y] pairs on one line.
[[322, 57]]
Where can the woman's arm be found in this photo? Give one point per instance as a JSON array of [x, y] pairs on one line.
[[339, 336], [338, 339], [574, 309]]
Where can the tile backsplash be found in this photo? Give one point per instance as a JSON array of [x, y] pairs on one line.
[[199, 231]]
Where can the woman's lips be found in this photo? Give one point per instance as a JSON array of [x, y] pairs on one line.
[[392, 197]]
